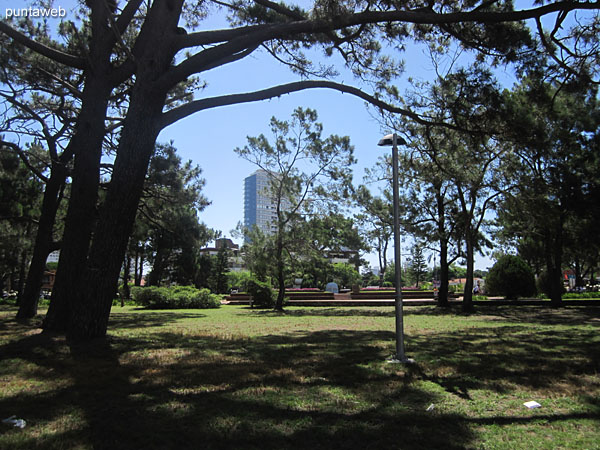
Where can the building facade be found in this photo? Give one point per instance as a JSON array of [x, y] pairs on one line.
[[235, 260], [260, 207]]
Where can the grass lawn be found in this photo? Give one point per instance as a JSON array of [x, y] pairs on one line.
[[316, 378]]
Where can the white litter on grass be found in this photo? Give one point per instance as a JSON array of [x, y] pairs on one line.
[[12, 420], [430, 407], [532, 405]]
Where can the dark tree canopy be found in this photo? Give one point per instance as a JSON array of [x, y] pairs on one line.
[[510, 277]]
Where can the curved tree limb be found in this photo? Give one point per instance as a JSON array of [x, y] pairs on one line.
[[55, 55], [23, 156], [238, 39], [183, 111], [418, 16]]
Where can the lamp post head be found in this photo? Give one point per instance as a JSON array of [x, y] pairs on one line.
[[389, 140]]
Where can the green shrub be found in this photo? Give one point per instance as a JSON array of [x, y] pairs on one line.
[[456, 288], [134, 291], [510, 277], [152, 297], [388, 284], [178, 297], [262, 294], [238, 280], [581, 295], [198, 298], [9, 300], [426, 286]]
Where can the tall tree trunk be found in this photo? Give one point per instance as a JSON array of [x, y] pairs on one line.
[[126, 277], [136, 272], [22, 271], [556, 280], [443, 290], [280, 272], [382, 263], [139, 265], [155, 277], [89, 317], [43, 242], [86, 145], [467, 305], [154, 52], [8, 284], [441, 230]]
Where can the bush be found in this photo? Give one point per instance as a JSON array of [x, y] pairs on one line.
[[456, 288], [152, 297], [510, 277], [178, 297], [262, 294], [134, 291], [239, 280], [345, 275], [202, 299], [581, 295]]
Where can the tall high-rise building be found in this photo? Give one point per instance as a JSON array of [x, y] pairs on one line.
[[260, 208]]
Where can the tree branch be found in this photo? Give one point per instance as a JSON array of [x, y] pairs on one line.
[[127, 16], [239, 39], [418, 16], [14, 147], [176, 114], [55, 55]]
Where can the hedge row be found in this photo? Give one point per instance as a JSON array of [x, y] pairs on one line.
[[178, 297]]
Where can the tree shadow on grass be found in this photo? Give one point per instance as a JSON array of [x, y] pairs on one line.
[[320, 390], [543, 315], [148, 319], [498, 359], [262, 393]]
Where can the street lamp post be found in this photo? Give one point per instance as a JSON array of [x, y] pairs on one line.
[[399, 357]]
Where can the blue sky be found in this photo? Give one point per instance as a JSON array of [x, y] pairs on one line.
[[209, 137]]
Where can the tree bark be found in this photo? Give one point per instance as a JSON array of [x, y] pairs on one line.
[[443, 290], [43, 242], [154, 54], [22, 270], [89, 317], [86, 145], [280, 271], [139, 266], [441, 223], [554, 263], [126, 277], [467, 305]]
